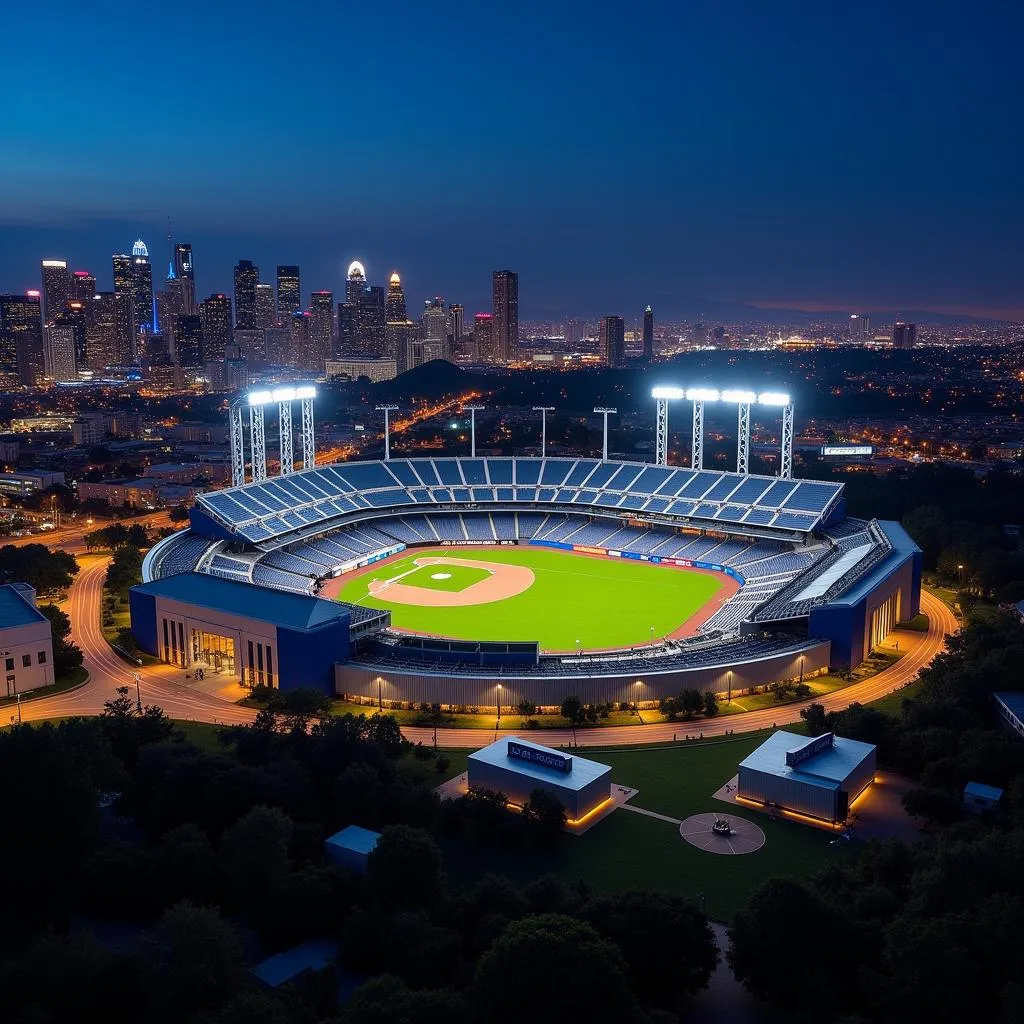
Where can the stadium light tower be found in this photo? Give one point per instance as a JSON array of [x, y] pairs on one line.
[[237, 434], [473, 409], [387, 410], [543, 410], [662, 396], [743, 400], [605, 410]]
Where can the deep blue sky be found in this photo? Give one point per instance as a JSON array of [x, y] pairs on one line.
[[858, 156]]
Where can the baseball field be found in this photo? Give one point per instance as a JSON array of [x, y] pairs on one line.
[[561, 599]]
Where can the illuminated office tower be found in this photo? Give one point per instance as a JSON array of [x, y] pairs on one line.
[[142, 278], [289, 297], [456, 322], [56, 288], [101, 333], [483, 336], [434, 330], [505, 329], [321, 326], [648, 334], [904, 335], [188, 341], [215, 314], [301, 355], [573, 334], [124, 292], [348, 328], [613, 340], [75, 318], [355, 282], [860, 329], [396, 323], [394, 302], [82, 287], [370, 318], [184, 272], [247, 277], [59, 354], [264, 308], [21, 347]]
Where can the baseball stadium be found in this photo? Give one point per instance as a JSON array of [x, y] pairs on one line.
[[467, 581]]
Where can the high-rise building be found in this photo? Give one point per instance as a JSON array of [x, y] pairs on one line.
[[348, 328], [247, 277], [434, 330], [483, 336], [904, 335], [188, 341], [82, 287], [648, 334], [264, 311], [302, 355], [215, 314], [183, 272], [613, 340], [56, 288], [124, 292], [860, 329], [505, 329], [75, 318], [355, 282], [573, 333], [370, 319], [456, 322], [321, 326], [394, 302], [142, 277], [101, 333], [59, 354], [289, 295], [21, 349], [403, 338]]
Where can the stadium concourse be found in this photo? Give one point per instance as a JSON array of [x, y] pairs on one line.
[[235, 593]]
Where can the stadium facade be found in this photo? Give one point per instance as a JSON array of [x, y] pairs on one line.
[[816, 588]]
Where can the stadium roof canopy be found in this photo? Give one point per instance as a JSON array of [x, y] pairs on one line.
[[278, 607]]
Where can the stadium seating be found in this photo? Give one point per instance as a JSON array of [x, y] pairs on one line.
[[267, 576], [182, 556]]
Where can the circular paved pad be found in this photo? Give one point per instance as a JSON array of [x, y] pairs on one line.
[[745, 836]]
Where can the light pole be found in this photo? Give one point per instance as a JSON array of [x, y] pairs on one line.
[[472, 429], [380, 699], [605, 410], [19, 709], [387, 410], [801, 669], [499, 703], [960, 574], [730, 686], [652, 636], [138, 692], [543, 410], [636, 703]]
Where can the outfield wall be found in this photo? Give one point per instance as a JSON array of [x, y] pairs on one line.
[[596, 683], [639, 556]]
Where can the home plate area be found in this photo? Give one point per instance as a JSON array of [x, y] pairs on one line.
[[492, 581]]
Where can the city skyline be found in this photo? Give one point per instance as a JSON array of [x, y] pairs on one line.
[[746, 159]]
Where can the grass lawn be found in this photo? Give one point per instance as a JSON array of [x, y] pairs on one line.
[[630, 850], [599, 602], [892, 703]]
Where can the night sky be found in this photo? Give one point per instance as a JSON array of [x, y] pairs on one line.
[[856, 156]]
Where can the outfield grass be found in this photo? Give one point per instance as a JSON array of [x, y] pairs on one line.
[[629, 850], [598, 602]]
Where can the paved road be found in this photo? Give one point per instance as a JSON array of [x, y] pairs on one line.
[[166, 686]]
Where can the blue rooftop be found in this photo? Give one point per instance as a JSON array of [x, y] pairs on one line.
[[15, 610], [827, 769], [582, 773], [294, 611], [979, 789], [359, 840], [309, 956]]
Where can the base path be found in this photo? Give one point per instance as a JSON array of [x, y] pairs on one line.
[[166, 686], [503, 582]]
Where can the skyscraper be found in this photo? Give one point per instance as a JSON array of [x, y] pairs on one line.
[[188, 341], [860, 329], [74, 317], [264, 310], [83, 286], [301, 354], [183, 272], [56, 288], [456, 322], [101, 332], [434, 330], [21, 329], [59, 354], [355, 282], [143, 307], [215, 314], [648, 334], [394, 302], [247, 277], [289, 296], [904, 335], [483, 336], [572, 334], [613, 340], [321, 326], [124, 292], [370, 316], [505, 329], [348, 328]]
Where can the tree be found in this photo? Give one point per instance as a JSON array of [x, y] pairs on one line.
[[936, 806], [66, 655], [547, 814], [178, 514], [814, 716], [666, 942], [404, 868], [526, 708], [572, 972], [35, 564], [387, 1000], [572, 709], [254, 852], [124, 571], [691, 702], [710, 704]]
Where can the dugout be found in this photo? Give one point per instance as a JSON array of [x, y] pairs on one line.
[[820, 777]]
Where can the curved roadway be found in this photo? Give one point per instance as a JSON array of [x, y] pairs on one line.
[[166, 686]]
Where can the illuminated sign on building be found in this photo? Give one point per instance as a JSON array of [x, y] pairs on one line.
[[543, 758], [810, 749], [848, 449]]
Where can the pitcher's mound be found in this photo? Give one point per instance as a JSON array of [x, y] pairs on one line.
[[743, 836]]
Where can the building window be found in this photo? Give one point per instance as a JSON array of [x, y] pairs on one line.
[[9, 665], [26, 661], [41, 658]]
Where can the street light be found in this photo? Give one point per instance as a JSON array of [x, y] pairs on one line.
[[605, 410], [472, 428], [380, 699], [801, 669], [138, 692], [387, 410], [730, 686], [499, 702], [543, 410]]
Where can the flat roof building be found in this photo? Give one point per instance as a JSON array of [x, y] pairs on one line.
[[351, 847], [818, 777], [26, 641], [516, 767], [1011, 709]]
